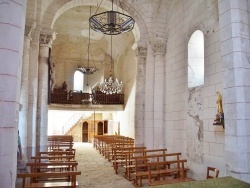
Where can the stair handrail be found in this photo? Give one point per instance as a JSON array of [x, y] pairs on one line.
[[74, 119]]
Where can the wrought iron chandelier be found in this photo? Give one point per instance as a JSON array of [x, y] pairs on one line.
[[110, 86], [88, 70], [111, 22]]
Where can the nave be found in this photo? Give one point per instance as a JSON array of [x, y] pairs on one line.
[[96, 171]]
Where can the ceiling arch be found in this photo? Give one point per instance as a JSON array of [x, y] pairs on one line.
[[134, 8]]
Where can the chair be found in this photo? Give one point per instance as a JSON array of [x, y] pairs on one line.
[[213, 171]]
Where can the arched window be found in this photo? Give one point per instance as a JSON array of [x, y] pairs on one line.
[[78, 81], [196, 59]]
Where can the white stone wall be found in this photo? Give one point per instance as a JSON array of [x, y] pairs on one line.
[[126, 66], [189, 113]]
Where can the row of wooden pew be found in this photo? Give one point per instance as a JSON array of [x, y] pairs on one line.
[[156, 167], [56, 167]]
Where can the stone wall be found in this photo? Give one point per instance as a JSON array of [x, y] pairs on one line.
[[126, 66], [189, 112]]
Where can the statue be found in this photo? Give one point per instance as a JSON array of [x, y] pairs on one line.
[[52, 76], [64, 86], [219, 117]]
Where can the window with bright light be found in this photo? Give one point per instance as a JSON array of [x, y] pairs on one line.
[[196, 59], [78, 81]]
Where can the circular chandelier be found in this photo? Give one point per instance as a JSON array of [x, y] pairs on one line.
[[88, 70], [111, 22]]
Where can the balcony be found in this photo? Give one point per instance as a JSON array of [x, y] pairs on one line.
[[86, 101]]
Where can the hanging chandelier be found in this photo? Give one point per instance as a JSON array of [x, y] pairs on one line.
[[88, 70], [111, 22], [110, 86]]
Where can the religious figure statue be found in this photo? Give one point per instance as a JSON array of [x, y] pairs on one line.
[[64, 86], [219, 117], [52, 76], [219, 103]]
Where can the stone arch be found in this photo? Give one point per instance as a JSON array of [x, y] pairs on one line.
[[54, 10]]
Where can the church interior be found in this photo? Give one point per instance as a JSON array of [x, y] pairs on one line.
[[166, 73]]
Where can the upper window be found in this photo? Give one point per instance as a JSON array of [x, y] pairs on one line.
[[196, 59], [78, 81]]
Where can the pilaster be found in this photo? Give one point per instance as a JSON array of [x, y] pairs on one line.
[[234, 28], [24, 96]]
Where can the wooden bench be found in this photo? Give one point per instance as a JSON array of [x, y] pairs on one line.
[[39, 159], [70, 174], [56, 153], [52, 166], [141, 168], [99, 138], [130, 161], [159, 172], [60, 142], [120, 157]]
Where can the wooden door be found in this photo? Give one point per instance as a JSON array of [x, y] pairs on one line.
[[100, 128], [85, 132]]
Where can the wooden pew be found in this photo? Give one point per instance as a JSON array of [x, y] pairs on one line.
[[130, 162], [53, 158], [60, 142], [141, 169], [160, 171], [52, 166], [70, 174], [56, 153], [120, 156]]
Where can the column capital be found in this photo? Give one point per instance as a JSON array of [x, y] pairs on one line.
[[141, 51], [46, 37], [29, 29], [159, 45]]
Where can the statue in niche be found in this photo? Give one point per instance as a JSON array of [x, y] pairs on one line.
[[219, 117], [52, 76]]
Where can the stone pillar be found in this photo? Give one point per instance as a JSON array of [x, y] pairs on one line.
[[149, 97], [12, 21], [141, 53], [159, 48], [24, 95], [43, 87], [33, 87], [234, 28]]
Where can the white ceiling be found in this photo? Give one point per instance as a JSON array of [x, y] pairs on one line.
[[71, 43]]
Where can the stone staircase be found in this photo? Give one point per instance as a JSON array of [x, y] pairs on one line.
[[73, 121]]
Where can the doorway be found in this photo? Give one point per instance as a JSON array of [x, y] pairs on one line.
[[85, 132], [100, 128]]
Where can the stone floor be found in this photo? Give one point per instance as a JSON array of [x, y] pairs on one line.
[[97, 171]]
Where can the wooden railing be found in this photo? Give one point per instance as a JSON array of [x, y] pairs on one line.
[[86, 98]]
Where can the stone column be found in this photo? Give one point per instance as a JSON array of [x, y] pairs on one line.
[[46, 39], [141, 53], [24, 95], [234, 28], [33, 87], [12, 21], [159, 48], [149, 99]]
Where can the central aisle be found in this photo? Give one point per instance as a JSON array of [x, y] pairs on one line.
[[97, 171]]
